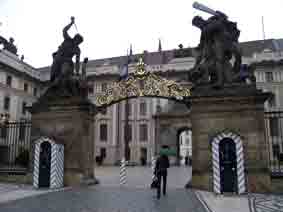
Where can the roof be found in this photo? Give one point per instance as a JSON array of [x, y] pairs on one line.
[[258, 46], [150, 58], [164, 57]]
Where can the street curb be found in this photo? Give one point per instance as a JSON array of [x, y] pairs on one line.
[[202, 201], [18, 194]]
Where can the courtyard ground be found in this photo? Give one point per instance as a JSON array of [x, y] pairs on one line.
[[134, 196]]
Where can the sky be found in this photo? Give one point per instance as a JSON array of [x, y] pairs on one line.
[[110, 26]]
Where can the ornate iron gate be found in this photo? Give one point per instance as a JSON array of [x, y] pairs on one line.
[[15, 146], [274, 137]]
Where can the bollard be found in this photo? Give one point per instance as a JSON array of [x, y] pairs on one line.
[[123, 174], [153, 164]]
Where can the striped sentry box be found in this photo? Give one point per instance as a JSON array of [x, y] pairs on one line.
[[123, 173], [57, 166], [57, 163], [240, 161]]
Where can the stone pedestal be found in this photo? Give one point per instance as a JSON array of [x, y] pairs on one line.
[[240, 110], [69, 121]]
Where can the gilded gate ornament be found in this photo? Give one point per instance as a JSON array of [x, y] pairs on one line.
[[142, 83]]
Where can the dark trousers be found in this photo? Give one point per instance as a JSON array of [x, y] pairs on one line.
[[162, 176]]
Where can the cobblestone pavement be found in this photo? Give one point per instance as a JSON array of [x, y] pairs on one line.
[[241, 203], [266, 203], [140, 177], [109, 196], [9, 192], [107, 199], [221, 203], [135, 196], [4, 188]]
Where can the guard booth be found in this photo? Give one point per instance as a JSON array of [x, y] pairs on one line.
[[48, 169]]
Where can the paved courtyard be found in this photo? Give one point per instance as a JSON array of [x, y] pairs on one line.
[[109, 196], [9, 192], [135, 196], [140, 177], [107, 199]]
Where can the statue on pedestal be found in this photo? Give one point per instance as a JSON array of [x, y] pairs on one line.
[[218, 47], [64, 82], [62, 58], [9, 45]]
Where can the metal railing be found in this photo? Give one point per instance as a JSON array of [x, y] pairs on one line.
[[274, 136], [15, 144]]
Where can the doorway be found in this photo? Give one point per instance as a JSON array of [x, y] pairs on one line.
[[185, 147], [143, 157], [228, 165], [44, 164]]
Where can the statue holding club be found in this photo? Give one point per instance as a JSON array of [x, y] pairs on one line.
[[62, 58], [218, 46]]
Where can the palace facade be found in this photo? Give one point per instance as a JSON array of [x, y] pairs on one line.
[[21, 85]]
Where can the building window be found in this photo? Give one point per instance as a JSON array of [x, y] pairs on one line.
[[274, 128], [96, 87], [158, 102], [3, 131], [35, 91], [130, 108], [90, 89], [9, 81], [22, 131], [26, 87], [104, 111], [104, 87], [24, 108], [7, 103], [158, 109], [276, 151], [187, 141], [128, 132], [268, 76], [143, 132], [143, 108], [272, 101], [143, 156], [129, 153], [103, 152], [103, 132], [127, 103]]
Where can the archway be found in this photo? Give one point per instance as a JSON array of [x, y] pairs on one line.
[[184, 144], [143, 83]]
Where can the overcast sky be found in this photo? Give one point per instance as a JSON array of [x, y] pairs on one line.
[[110, 26]]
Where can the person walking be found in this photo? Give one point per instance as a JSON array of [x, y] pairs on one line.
[[162, 164]]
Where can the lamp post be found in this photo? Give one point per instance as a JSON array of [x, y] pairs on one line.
[[127, 128], [4, 118]]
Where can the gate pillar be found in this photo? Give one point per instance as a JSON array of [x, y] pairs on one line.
[[237, 109], [69, 121]]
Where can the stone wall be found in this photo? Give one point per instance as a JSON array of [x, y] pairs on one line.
[[72, 126], [240, 113]]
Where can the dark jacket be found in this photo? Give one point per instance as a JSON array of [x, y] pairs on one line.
[[162, 163]]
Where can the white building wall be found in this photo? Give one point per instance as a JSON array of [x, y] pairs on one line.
[[111, 118]]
